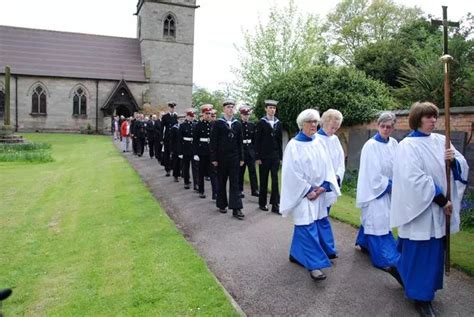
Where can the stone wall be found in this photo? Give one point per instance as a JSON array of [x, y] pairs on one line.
[[59, 94]]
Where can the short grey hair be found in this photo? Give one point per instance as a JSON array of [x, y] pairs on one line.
[[332, 115], [387, 116], [307, 115]]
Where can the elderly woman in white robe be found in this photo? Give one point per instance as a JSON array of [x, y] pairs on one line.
[[307, 180], [331, 121], [419, 205], [374, 187]]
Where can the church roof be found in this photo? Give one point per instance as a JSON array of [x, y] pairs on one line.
[[74, 55]]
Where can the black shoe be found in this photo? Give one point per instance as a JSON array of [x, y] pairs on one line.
[[424, 308], [5, 293], [139, 155], [241, 195], [317, 275], [332, 256], [393, 271], [202, 195], [264, 208], [223, 211], [167, 174], [237, 213], [276, 209], [176, 180], [255, 194], [186, 186]]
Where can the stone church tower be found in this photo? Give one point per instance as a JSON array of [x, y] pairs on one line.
[[166, 34]]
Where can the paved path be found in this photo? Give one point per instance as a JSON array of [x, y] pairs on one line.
[[250, 258]]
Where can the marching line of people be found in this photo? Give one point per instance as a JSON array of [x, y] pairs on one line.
[[399, 185]]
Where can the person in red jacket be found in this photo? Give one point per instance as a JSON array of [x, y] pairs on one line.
[[125, 133]]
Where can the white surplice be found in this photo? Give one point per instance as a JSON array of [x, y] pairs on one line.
[[419, 165], [305, 166], [375, 171]]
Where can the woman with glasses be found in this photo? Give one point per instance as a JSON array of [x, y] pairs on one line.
[[307, 180]]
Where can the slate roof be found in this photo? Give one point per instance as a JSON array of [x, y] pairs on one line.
[[73, 55]]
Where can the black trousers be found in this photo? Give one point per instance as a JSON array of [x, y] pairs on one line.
[[269, 166], [214, 180], [135, 145], [140, 145], [228, 169], [204, 170], [249, 162], [176, 165], [157, 149], [166, 158], [186, 163], [151, 146], [195, 171]]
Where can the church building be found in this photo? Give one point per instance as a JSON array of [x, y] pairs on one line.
[[62, 81]]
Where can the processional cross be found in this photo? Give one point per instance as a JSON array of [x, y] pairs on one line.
[[446, 58]]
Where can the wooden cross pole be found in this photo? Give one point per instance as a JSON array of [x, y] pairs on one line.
[[446, 58]]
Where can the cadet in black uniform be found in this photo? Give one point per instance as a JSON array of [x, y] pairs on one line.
[[227, 156], [173, 146], [150, 135], [158, 137], [201, 139], [140, 134], [248, 140], [167, 121], [185, 145], [268, 155], [194, 163]]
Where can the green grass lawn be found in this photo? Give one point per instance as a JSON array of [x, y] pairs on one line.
[[82, 236]]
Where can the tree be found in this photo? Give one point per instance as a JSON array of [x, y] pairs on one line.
[[286, 42], [350, 91], [202, 96], [356, 23]]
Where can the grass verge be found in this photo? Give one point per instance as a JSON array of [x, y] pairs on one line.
[[83, 236]]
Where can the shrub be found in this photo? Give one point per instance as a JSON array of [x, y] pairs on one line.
[[350, 91], [467, 212]]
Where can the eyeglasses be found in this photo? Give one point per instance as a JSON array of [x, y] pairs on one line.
[[386, 126], [312, 122]]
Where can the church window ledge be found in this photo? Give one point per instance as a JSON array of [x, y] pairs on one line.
[[38, 114], [79, 116]]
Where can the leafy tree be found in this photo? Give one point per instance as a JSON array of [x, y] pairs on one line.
[[350, 91], [202, 96], [287, 41], [356, 23]]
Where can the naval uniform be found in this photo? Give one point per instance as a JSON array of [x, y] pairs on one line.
[[168, 120], [226, 150], [268, 149], [158, 139], [248, 140], [185, 148], [173, 146], [201, 140], [150, 135]]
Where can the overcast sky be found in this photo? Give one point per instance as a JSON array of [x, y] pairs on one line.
[[219, 23]]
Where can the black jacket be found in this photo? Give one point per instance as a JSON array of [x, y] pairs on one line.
[[174, 140], [226, 142], [167, 121], [268, 140], [150, 129], [185, 138], [140, 129], [202, 130], [248, 138]]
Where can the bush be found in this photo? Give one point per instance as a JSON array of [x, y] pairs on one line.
[[25, 152], [467, 212], [350, 91]]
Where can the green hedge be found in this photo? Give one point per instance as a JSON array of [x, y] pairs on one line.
[[350, 91]]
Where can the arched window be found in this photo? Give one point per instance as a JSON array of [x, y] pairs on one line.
[[38, 101], [79, 102], [169, 27]]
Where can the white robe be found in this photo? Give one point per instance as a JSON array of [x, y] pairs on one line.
[[306, 165], [419, 165], [334, 148], [375, 171]]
